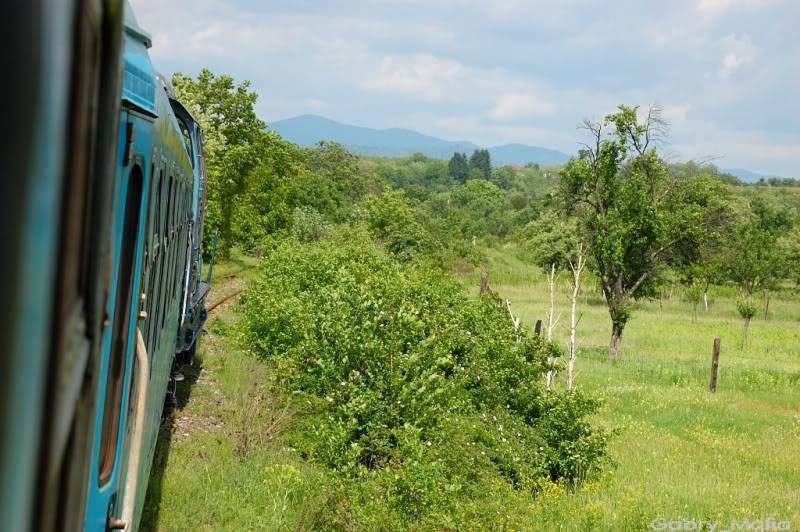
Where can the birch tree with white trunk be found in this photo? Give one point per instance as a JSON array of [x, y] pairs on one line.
[[550, 241], [576, 265]]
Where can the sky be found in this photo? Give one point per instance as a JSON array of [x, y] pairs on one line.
[[727, 72]]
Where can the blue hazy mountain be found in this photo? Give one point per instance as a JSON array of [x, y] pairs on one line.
[[307, 130]]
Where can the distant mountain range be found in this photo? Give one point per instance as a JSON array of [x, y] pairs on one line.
[[308, 130]]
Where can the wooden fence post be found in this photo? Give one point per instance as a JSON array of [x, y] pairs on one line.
[[712, 385], [537, 329]]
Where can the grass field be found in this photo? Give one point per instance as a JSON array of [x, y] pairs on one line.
[[679, 451]]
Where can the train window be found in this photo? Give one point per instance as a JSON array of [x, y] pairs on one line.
[[174, 208], [148, 248], [151, 281], [179, 210], [168, 213], [121, 326], [178, 238], [151, 210], [165, 289], [174, 269], [152, 291], [159, 209], [165, 257], [187, 140], [179, 252]]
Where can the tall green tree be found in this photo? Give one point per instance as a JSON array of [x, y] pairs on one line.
[[481, 160], [271, 190], [637, 217], [226, 112], [458, 168]]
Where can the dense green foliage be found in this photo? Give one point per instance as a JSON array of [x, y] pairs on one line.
[[759, 247], [233, 464], [413, 386], [233, 138], [639, 217]]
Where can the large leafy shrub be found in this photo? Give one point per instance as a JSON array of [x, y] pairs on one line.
[[393, 222], [412, 387]]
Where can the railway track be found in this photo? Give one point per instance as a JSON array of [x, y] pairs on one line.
[[215, 306]]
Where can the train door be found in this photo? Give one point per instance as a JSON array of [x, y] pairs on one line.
[[122, 343], [56, 158], [79, 291]]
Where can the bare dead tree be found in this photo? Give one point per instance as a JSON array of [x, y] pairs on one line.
[[515, 320], [576, 266], [552, 321]]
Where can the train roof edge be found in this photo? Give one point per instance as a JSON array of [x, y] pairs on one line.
[[133, 29], [139, 78]]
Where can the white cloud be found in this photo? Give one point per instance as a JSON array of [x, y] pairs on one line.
[[748, 148], [521, 105], [421, 76], [721, 6], [676, 114], [737, 52], [504, 96]]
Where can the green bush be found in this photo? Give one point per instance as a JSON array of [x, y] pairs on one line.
[[408, 383], [746, 308], [393, 222], [308, 225]]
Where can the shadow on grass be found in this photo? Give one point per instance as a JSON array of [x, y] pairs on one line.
[[152, 504]]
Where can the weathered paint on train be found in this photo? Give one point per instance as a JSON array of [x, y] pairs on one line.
[[102, 234]]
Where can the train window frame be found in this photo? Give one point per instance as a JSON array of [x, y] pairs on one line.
[[186, 134], [181, 246], [165, 259], [145, 286], [168, 214], [153, 300], [173, 214], [160, 261], [124, 319]]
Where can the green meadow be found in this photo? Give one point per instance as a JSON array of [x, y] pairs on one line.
[[678, 452]]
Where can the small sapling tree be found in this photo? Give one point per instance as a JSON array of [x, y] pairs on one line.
[[694, 293], [747, 310], [556, 246], [577, 262]]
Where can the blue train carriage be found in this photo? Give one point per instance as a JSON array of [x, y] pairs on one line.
[[158, 305], [195, 287], [57, 178], [101, 224]]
